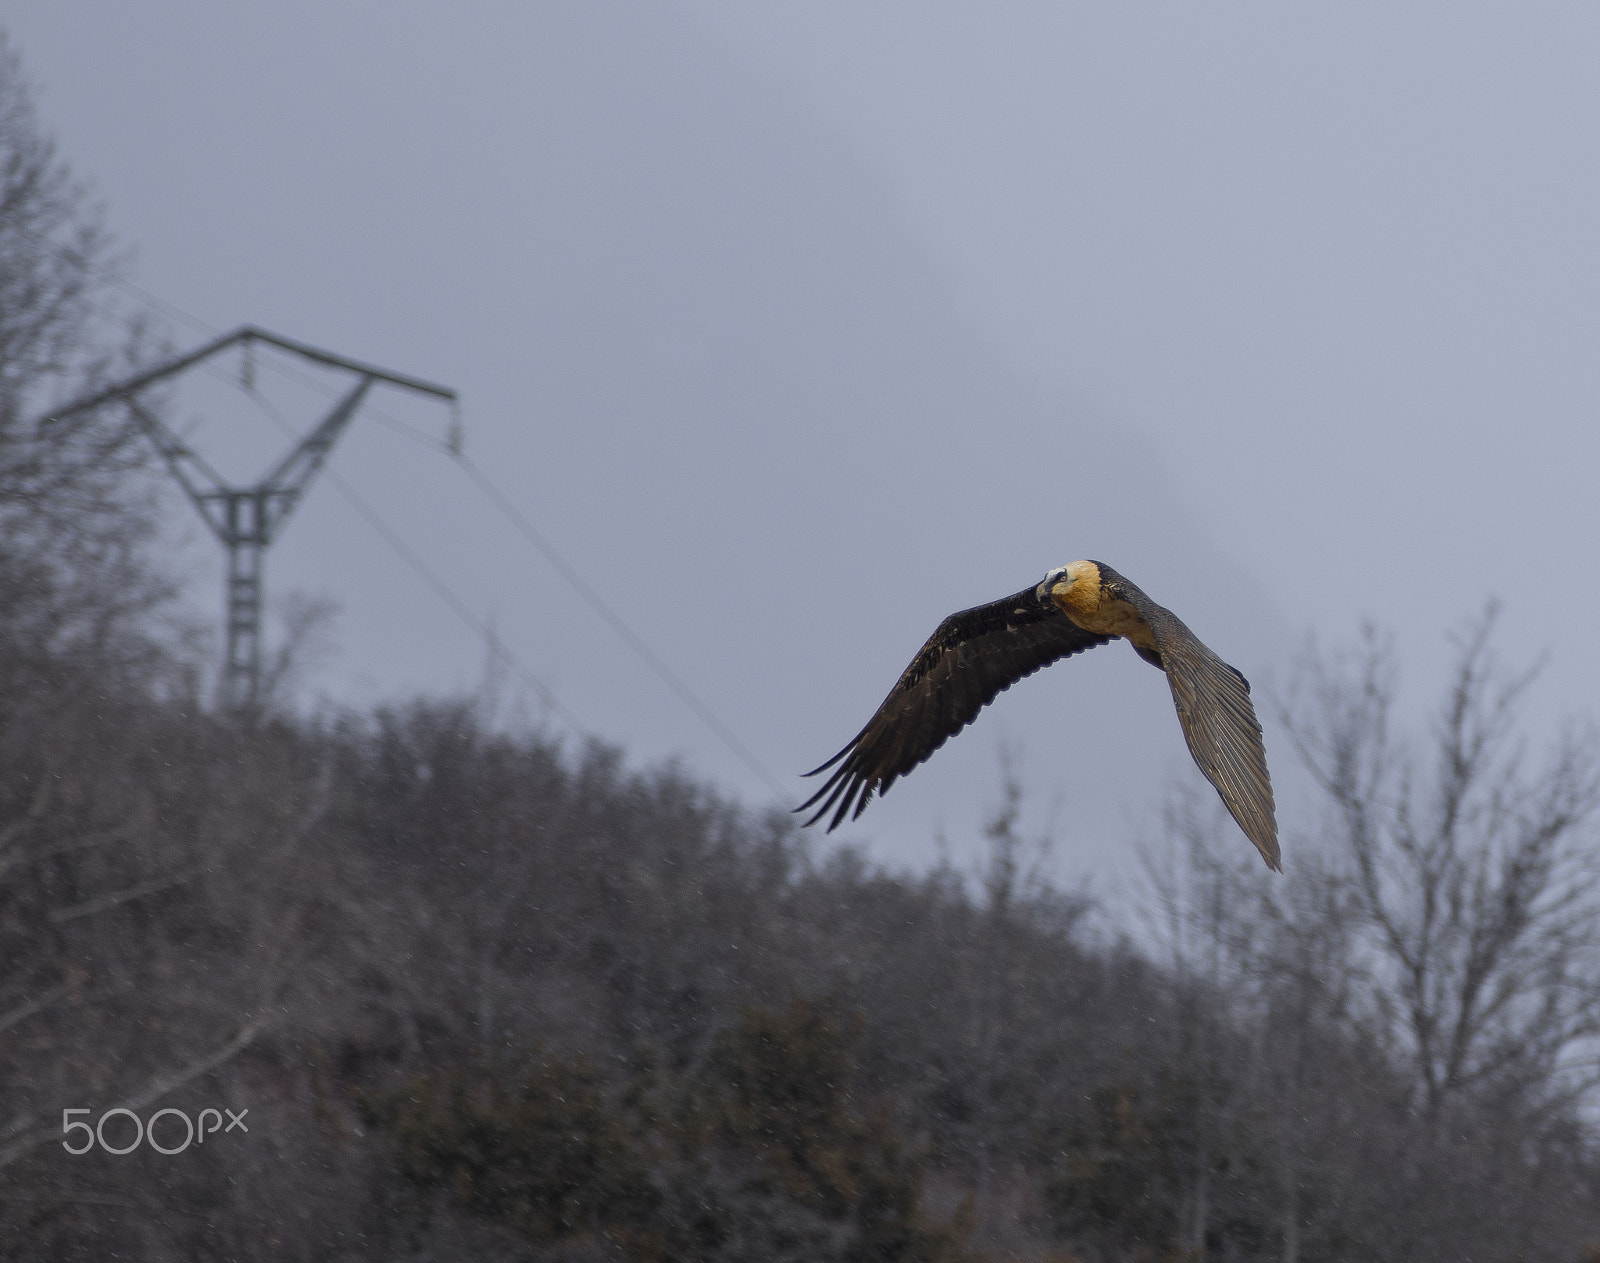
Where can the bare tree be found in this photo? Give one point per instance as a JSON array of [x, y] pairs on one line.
[[54, 256], [1432, 959], [1268, 1007], [1472, 873], [305, 641]]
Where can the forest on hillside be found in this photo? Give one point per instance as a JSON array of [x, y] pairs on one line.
[[433, 986]]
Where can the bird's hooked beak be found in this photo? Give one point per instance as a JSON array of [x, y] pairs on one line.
[[1048, 584]]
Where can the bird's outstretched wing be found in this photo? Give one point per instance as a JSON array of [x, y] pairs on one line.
[[1220, 725], [970, 658]]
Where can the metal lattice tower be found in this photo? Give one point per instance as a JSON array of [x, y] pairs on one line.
[[247, 519]]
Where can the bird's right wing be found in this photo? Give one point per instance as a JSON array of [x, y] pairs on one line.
[[970, 659]]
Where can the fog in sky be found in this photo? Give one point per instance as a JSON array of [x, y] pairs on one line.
[[797, 327]]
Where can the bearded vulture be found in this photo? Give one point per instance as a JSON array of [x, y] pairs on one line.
[[975, 654]]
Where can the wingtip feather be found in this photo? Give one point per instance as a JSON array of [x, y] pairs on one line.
[[817, 771]]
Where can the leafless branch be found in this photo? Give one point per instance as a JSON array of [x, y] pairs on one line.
[[104, 903]]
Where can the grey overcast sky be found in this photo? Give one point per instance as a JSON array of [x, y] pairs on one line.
[[796, 327]]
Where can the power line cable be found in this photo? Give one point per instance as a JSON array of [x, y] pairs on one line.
[[443, 590], [599, 605], [576, 581], [154, 301], [456, 604]]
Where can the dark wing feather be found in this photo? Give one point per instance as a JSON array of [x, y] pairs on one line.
[[1220, 725], [970, 658]]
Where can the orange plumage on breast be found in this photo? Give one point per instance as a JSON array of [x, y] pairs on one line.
[[1083, 598]]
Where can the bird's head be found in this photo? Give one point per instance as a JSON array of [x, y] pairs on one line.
[[1061, 580]]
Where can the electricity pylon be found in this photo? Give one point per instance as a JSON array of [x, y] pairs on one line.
[[247, 519]]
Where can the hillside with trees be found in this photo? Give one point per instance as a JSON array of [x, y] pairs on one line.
[[483, 994]]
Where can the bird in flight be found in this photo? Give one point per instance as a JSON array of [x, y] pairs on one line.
[[975, 654]]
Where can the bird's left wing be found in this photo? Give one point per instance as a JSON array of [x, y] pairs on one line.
[[1220, 725], [970, 658]]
